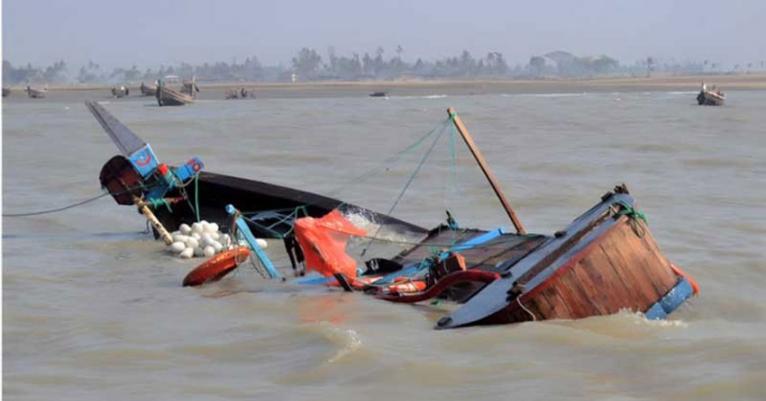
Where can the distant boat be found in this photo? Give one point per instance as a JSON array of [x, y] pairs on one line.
[[190, 87], [378, 94], [240, 93], [120, 91], [6, 92], [710, 97], [170, 97], [147, 90], [36, 93]]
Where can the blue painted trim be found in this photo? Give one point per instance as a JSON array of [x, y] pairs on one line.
[[144, 160], [414, 269], [670, 301], [312, 278], [250, 238], [656, 312], [478, 240]]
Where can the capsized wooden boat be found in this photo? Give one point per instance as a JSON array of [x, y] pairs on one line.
[[36, 93], [710, 96], [605, 261]]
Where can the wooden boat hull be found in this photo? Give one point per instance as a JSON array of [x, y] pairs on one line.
[[604, 262], [171, 97], [708, 98]]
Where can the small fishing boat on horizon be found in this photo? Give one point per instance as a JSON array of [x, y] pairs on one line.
[[147, 90], [710, 96], [605, 261], [35, 93], [240, 93], [120, 91]]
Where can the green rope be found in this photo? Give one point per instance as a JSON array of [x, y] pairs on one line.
[[388, 161], [156, 203], [408, 183], [631, 212]]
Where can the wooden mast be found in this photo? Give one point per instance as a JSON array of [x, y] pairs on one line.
[[485, 169]]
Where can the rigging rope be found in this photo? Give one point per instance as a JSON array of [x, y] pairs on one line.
[[58, 209], [409, 181], [390, 160]]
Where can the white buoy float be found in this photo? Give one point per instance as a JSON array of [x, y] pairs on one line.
[[203, 239]]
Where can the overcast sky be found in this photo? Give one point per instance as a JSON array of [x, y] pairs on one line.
[[153, 32]]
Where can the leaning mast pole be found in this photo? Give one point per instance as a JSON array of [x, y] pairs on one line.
[[485, 169]]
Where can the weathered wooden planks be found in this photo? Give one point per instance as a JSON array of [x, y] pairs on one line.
[[622, 269]]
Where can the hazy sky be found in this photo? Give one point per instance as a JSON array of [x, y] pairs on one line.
[[154, 32]]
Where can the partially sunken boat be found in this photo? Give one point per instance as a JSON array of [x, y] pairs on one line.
[[36, 93], [710, 96], [605, 261]]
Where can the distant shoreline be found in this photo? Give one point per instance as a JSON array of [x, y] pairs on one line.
[[468, 87]]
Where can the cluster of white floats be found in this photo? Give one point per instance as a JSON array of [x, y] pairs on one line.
[[202, 239]]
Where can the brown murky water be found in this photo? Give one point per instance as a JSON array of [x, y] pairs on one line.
[[93, 308]]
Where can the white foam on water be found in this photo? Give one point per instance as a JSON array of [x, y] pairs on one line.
[[347, 339]]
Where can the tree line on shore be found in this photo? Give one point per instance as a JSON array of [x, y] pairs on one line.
[[310, 65]]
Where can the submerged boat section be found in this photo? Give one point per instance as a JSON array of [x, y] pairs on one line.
[[604, 261]]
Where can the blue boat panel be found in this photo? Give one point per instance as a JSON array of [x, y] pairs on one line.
[[250, 238], [656, 312], [675, 297]]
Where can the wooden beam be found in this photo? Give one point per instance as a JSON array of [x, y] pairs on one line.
[[485, 169]]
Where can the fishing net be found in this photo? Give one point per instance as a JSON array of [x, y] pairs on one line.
[[323, 241]]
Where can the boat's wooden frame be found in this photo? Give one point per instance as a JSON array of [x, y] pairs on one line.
[[171, 97]]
